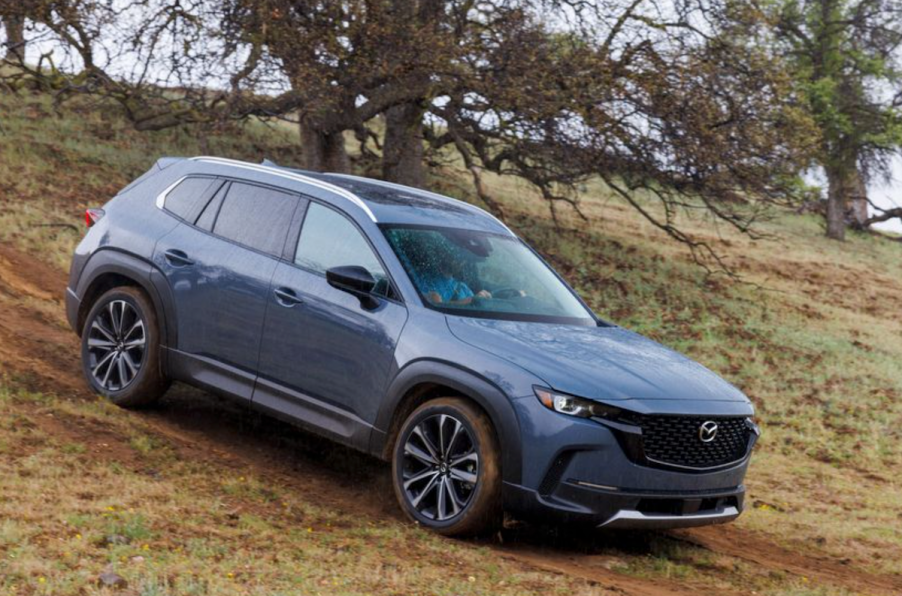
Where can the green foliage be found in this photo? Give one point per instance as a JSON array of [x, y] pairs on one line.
[[845, 57]]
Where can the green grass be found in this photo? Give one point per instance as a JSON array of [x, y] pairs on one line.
[[62, 162], [813, 335]]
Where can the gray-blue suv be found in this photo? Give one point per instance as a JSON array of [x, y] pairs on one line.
[[408, 325]]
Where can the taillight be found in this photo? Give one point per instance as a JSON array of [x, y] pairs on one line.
[[92, 216]]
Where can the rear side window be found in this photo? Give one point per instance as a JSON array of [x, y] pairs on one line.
[[208, 215], [186, 199], [256, 217]]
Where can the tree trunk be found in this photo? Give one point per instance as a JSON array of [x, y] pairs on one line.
[[402, 154], [323, 152], [402, 151], [847, 199], [836, 203], [15, 37]]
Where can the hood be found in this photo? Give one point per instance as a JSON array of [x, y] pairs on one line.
[[603, 363]]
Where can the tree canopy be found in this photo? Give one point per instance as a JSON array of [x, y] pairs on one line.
[[707, 106]]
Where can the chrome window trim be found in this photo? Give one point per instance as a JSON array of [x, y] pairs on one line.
[[291, 176], [161, 198]]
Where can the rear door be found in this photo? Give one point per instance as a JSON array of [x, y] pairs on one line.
[[219, 266], [326, 358]]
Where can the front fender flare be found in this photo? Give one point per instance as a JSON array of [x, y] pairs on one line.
[[480, 389]]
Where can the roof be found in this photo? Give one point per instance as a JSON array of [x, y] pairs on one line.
[[397, 204]]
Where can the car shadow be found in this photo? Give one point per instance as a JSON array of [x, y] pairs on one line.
[[285, 448]]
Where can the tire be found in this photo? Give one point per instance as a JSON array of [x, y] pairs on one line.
[[120, 349], [419, 477]]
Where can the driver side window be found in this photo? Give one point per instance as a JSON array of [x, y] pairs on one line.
[[329, 239]]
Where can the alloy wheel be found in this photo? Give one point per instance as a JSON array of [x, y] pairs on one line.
[[117, 343], [440, 467]]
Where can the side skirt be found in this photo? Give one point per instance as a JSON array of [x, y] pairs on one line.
[[272, 398], [312, 414]]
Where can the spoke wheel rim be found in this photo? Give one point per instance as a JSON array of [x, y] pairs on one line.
[[440, 467], [117, 342]]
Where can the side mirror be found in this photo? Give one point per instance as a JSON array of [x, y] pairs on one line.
[[353, 279]]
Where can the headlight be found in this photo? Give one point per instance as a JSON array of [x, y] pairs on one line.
[[575, 406]]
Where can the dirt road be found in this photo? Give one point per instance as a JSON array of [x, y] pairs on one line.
[[40, 352]]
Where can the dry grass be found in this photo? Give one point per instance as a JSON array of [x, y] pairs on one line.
[[168, 524], [813, 335]]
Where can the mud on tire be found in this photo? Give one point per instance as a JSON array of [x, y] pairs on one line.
[[446, 468]]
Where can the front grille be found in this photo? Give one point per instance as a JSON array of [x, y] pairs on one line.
[[675, 440]]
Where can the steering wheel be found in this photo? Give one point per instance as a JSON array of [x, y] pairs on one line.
[[507, 293]]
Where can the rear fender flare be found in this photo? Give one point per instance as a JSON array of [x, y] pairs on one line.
[[138, 270]]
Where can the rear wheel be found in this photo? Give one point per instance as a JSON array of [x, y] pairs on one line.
[[120, 349], [446, 468]]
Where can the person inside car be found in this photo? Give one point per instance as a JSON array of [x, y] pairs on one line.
[[443, 287]]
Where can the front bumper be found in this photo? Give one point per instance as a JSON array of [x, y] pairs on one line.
[[614, 508], [576, 470]]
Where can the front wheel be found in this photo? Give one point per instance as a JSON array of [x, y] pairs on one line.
[[120, 349], [446, 468]]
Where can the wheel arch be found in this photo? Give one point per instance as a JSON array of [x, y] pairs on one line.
[[110, 268], [422, 381]]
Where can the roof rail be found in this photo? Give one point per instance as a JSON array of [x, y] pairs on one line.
[[277, 171]]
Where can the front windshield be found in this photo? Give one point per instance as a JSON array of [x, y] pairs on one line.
[[480, 274]]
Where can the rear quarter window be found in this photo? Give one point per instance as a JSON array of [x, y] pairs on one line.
[[256, 217], [186, 199]]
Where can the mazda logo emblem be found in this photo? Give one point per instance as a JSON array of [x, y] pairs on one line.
[[707, 431]]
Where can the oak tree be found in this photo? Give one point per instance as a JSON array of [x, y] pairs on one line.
[[846, 56]]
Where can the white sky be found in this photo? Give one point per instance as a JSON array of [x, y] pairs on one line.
[[889, 194]]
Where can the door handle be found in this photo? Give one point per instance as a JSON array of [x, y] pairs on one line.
[[287, 297], [177, 258]]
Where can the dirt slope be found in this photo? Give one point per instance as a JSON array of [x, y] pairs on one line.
[[38, 351]]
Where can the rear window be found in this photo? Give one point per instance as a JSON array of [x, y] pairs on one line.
[[256, 217], [186, 199]]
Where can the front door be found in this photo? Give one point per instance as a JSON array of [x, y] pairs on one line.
[[326, 358]]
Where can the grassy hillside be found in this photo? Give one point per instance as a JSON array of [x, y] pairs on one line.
[[813, 334]]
